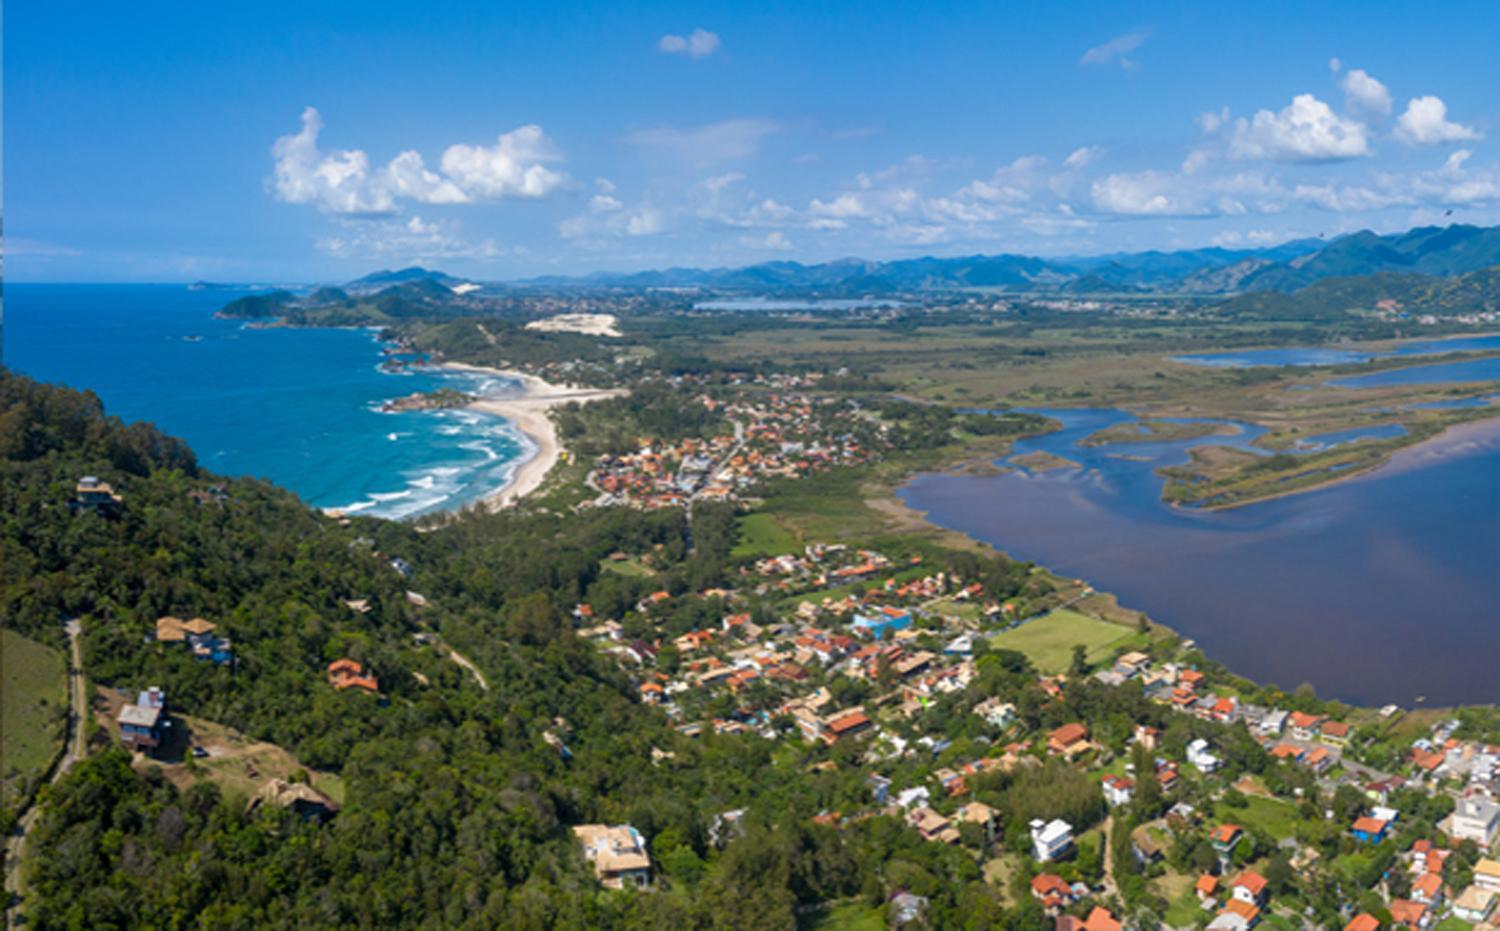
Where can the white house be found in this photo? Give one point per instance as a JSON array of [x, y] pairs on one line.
[[1117, 789], [1051, 839], [1201, 757], [1475, 818]]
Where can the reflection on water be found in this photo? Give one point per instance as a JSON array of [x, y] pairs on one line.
[[1378, 589], [1320, 355]]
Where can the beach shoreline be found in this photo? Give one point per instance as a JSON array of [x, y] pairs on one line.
[[529, 413]]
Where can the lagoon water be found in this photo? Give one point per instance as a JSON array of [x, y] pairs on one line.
[[1323, 355], [1382, 588], [299, 407]]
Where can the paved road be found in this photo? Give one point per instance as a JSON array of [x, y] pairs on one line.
[[75, 750]]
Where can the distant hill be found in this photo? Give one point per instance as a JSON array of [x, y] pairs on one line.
[[1288, 266], [1415, 294], [1426, 250], [385, 276]]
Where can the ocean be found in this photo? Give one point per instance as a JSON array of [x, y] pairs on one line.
[[300, 407]]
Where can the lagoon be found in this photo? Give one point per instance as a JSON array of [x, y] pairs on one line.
[[1381, 588]]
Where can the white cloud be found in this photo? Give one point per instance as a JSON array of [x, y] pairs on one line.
[[512, 167], [1306, 130], [408, 176], [700, 43], [337, 182], [343, 183], [775, 240], [1144, 193], [1367, 98], [1082, 157], [707, 144], [1117, 50], [1425, 122], [842, 207]]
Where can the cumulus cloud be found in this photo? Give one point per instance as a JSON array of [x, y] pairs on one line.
[[1425, 122], [1117, 50], [1367, 98], [343, 183], [335, 182], [707, 144], [700, 43], [1306, 130], [1144, 193]]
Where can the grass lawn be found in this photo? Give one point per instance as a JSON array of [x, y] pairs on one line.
[[1184, 909], [631, 568], [1276, 818], [34, 703], [761, 535], [1049, 641], [851, 916], [1452, 924]]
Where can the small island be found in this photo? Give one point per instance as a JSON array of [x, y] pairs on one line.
[[440, 400]]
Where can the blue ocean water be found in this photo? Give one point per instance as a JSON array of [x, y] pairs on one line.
[[298, 407]]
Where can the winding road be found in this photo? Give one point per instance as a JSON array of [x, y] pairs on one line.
[[75, 749]]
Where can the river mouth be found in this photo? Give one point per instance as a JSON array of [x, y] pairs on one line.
[[1378, 589]]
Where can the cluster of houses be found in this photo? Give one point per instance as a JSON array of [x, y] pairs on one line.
[[198, 635], [783, 436], [887, 635]]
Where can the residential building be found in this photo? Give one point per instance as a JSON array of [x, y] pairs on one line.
[[1475, 818], [1068, 740], [618, 854], [143, 725], [1117, 789], [1051, 840], [1199, 754], [1487, 874]]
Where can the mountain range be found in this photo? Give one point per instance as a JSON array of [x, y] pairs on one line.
[[1431, 250]]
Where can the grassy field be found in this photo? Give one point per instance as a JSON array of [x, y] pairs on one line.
[[1049, 641], [630, 568], [34, 704], [761, 535], [1276, 818], [851, 916]]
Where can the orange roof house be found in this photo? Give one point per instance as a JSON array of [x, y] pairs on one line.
[[1363, 922], [1206, 886], [347, 673], [1068, 739]]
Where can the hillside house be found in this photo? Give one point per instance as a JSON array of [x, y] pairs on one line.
[[144, 725], [618, 854], [91, 496], [350, 674]]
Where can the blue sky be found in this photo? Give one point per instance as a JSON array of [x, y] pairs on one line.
[[316, 141]]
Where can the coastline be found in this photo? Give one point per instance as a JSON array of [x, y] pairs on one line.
[[530, 415]]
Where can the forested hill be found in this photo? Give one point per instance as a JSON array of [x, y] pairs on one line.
[[458, 801]]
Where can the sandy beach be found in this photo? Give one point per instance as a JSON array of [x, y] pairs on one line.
[[529, 413]]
